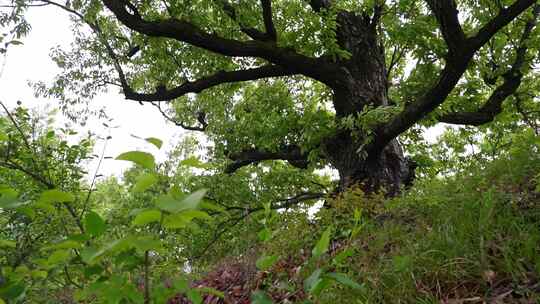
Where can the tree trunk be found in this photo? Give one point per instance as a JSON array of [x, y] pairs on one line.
[[388, 171], [364, 83]]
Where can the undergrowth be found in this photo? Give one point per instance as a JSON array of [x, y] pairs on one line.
[[471, 237]]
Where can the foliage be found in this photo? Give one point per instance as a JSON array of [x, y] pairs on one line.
[[57, 238]]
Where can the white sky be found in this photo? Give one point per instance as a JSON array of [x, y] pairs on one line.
[[31, 62]]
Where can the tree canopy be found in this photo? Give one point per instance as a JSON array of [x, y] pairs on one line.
[[313, 83]]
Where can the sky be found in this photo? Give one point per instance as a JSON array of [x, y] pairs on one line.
[[31, 62]]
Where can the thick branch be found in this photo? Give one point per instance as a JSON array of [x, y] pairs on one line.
[[447, 15], [490, 109], [163, 94], [180, 30], [268, 22], [291, 153], [449, 77], [512, 81], [318, 5]]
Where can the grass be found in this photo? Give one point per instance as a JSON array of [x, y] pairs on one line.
[[468, 238]]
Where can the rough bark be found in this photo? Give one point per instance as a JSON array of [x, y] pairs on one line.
[[364, 84]]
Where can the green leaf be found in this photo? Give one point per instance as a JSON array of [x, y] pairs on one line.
[[175, 221], [170, 204], [90, 254], [184, 218], [94, 224], [342, 256], [56, 196], [93, 270], [14, 204], [58, 257], [146, 217], [259, 297], [193, 214], [26, 210], [81, 238], [44, 206], [13, 291], [322, 244], [155, 141], [194, 162], [316, 282], [8, 244], [265, 235], [144, 182], [344, 280], [192, 201], [9, 199], [180, 285], [67, 244], [143, 159], [145, 243], [167, 203], [8, 192], [205, 204], [311, 282], [321, 285], [38, 274], [194, 296], [265, 262]]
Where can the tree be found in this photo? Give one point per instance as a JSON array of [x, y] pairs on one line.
[[309, 82]]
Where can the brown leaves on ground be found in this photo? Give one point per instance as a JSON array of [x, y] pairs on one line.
[[235, 281]]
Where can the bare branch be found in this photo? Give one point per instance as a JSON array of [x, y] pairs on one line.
[[200, 118], [164, 94], [490, 109]]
